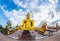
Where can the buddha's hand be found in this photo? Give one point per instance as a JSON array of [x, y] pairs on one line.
[[32, 28], [20, 27]]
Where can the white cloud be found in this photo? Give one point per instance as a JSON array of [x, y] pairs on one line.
[[39, 12], [14, 16], [53, 1], [28, 5]]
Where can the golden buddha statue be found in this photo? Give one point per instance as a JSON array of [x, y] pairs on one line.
[[28, 24]]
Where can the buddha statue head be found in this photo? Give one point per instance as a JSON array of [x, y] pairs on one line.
[[28, 16]]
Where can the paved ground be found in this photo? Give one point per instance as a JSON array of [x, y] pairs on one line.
[[4, 38], [38, 37], [55, 37]]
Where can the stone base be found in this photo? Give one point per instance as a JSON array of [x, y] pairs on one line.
[[26, 36]]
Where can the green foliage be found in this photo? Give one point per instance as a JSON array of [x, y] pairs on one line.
[[3, 30]]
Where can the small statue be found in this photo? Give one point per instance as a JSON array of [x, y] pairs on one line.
[[8, 27]]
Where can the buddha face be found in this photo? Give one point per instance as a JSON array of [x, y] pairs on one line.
[[28, 16]]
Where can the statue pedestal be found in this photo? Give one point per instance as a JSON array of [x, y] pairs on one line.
[[26, 35]]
